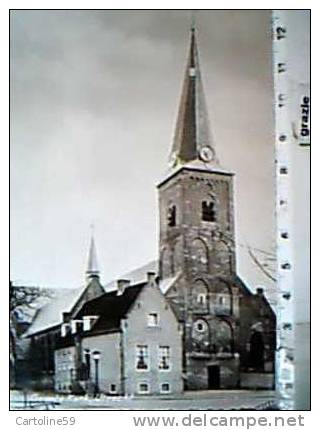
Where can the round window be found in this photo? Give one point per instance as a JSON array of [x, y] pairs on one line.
[[200, 326]]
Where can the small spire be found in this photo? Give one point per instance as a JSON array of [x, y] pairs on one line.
[[92, 267]]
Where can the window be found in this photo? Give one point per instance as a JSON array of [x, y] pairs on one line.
[[64, 330], [73, 326], [76, 326], [221, 300], [165, 387], [142, 357], [113, 388], [153, 320], [172, 216], [143, 387], [199, 254], [200, 326], [164, 357], [200, 336], [209, 211], [202, 299], [88, 322]]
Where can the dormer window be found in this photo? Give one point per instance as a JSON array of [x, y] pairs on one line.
[[76, 326], [153, 320], [209, 213], [64, 329], [88, 321], [172, 216]]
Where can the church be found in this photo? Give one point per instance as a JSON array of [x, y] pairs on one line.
[[228, 331]]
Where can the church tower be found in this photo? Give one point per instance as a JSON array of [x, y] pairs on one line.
[[197, 237]]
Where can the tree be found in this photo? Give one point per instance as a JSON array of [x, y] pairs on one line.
[[22, 307]]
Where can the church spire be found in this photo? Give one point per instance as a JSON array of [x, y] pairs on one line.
[[92, 267], [192, 139]]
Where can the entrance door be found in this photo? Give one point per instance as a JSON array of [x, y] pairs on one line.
[[257, 351], [213, 377]]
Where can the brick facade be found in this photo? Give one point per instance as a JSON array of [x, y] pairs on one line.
[[217, 312]]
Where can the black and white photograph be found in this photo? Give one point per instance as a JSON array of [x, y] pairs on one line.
[[155, 262]]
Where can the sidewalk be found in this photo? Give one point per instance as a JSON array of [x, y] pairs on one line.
[[190, 400]]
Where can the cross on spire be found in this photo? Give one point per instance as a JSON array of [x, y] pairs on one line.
[[193, 20]]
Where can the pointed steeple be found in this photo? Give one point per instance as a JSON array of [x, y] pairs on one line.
[[92, 267], [192, 139]]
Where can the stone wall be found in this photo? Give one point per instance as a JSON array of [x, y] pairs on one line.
[[65, 369], [109, 365]]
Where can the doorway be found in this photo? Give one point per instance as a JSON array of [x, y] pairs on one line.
[[256, 351], [213, 377]]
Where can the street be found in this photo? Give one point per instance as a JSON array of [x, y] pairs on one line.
[[200, 400]]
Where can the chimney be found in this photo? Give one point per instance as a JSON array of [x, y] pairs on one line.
[[122, 284], [66, 317], [259, 291], [151, 277]]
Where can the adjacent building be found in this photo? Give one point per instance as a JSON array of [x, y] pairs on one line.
[[125, 342], [45, 331]]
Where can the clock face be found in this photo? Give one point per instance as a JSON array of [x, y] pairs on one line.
[[206, 153]]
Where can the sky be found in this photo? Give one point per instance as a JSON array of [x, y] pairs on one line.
[[94, 99]]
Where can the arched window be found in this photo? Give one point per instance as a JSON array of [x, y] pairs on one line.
[[223, 253], [172, 212], [200, 335], [222, 299], [200, 297], [199, 255], [223, 336], [209, 210]]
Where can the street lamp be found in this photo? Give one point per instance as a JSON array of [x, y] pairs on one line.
[[96, 357]]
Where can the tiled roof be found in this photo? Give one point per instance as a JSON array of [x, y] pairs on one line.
[[110, 308], [135, 276], [50, 315]]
